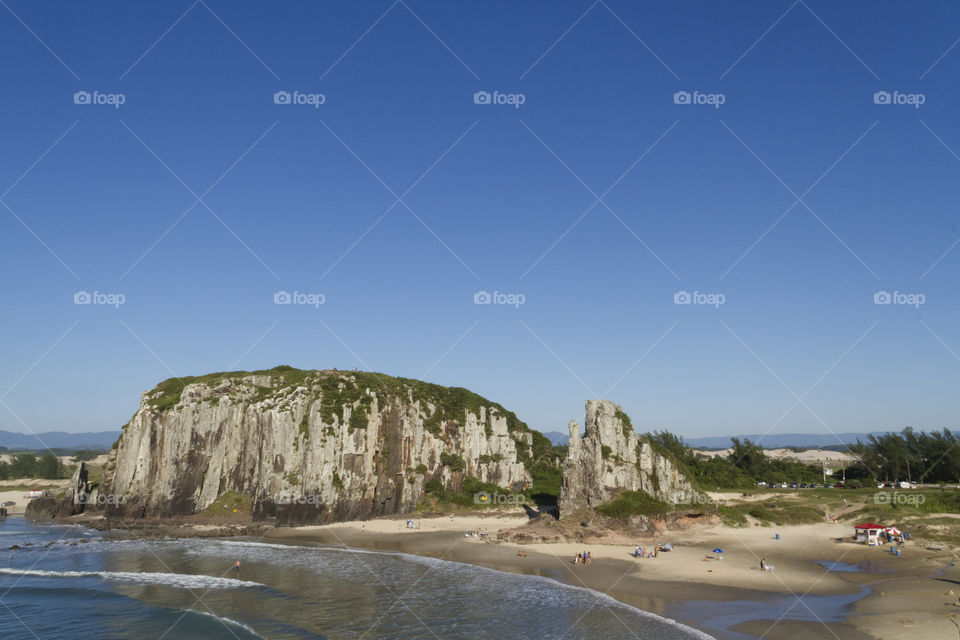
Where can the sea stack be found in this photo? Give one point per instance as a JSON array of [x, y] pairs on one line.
[[309, 446], [609, 458]]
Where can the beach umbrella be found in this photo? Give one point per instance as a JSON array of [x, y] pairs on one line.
[[718, 550], [893, 531]]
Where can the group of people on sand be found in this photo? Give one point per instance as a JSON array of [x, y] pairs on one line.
[[640, 551], [582, 558], [476, 533]]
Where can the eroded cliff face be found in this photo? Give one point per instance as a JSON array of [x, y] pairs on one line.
[[308, 446], [611, 457]]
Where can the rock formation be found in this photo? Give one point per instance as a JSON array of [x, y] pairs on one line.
[[308, 446], [610, 457], [69, 503]]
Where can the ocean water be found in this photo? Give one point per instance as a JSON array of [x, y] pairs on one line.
[[72, 583]]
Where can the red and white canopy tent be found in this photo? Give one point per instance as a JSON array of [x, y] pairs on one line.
[[868, 532]]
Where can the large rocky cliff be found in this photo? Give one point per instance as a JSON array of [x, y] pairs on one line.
[[308, 446], [609, 458]]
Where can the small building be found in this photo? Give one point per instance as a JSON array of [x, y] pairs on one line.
[[868, 533]]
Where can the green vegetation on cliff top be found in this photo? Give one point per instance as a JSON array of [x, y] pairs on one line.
[[344, 388]]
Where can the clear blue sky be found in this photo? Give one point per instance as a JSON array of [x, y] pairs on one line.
[[298, 198]]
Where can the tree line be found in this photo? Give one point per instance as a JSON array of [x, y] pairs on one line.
[[920, 456], [924, 457], [28, 465]]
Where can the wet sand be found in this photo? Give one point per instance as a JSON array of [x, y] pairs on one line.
[[731, 598]]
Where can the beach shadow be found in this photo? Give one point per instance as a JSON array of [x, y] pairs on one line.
[[534, 513], [947, 580]]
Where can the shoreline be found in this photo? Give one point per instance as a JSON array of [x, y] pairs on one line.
[[729, 599], [720, 598]]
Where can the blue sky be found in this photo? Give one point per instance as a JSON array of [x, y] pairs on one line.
[[399, 197]]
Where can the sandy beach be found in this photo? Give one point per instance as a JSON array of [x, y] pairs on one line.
[[691, 584], [18, 497]]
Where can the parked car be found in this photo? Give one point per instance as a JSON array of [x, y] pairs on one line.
[[803, 485], [9, 503], [793, 485], [761, 484], [814, 485]]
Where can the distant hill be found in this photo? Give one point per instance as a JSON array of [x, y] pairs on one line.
[[101, 440], [557, 437]]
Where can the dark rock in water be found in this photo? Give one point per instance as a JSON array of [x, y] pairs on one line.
[[48, 507], [14, 547], [71, 504], [81, 488]]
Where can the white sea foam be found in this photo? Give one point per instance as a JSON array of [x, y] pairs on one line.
[[231, 621], [185, 580], [603, 599]]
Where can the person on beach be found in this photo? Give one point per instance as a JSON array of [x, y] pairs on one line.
[[763, 565], [576, 559], [236, 567], [587, 560]]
